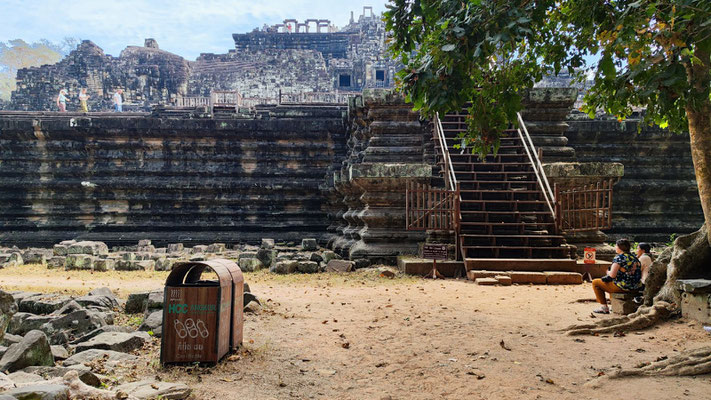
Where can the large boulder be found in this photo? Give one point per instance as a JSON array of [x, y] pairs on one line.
[[97, 332], [40, 391], [32, 350], [116, 341], [77, 323], [43, 303], [87, 247], [8, 308], [22, 322], [97, 302]]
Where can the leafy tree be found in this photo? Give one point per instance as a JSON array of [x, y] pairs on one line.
[[482, 54]]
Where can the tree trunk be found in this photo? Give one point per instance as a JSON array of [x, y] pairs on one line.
[[689, 257], [698, 112]]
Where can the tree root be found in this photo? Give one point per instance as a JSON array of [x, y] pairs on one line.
[[688, 363], [643, 318]]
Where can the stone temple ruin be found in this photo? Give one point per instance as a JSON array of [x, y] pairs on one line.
[[312, 58], [295, 134]]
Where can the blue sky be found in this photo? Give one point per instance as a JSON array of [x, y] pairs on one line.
[[184, 27]]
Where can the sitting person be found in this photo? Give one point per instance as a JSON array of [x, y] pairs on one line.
[[625, 275], [643, 250]]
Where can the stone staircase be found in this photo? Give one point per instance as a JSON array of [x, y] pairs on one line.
[[506, 223]]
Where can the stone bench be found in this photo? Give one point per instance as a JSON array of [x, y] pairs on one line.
[[696, 299], [623, 303]]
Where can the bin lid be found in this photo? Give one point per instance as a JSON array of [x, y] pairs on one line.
[[189, 273], [231, 266]]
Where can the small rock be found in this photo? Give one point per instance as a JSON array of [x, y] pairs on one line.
[[252, 307], [362, 263], [284, 267], [486, 281], [77, 323], [154, 301], [56, 262], [5, 384], [175, 248], [315, 257], [136, 303], [88, 247], [267, 257], [309, 244], [250, 264], [84, 372], [387, 272], [154, 323], [59, 352], [307, 267], [267, 244]]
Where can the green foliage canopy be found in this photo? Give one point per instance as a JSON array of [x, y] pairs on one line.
[[482, 54]]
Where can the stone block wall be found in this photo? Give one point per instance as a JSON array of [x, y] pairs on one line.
[[188, 179], [657, 195]]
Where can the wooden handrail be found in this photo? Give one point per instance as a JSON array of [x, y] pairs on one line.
[[541, 177]]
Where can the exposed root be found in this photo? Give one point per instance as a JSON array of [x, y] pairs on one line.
[[689, 257], [688, 363], [643, 318]]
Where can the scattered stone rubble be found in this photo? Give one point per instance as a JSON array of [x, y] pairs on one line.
[[63, 347], [279, 258]]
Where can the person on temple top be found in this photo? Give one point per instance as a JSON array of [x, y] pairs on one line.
[[83, 97], [62, 100], [624, 275], [118, 100]]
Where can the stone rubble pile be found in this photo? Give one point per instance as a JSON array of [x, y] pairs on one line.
[[54, 346], [281, 258]]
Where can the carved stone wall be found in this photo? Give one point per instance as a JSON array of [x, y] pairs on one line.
[[147, 76], [387, 147], [167, 178], [657, 195]]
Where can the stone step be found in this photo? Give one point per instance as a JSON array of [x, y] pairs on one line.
[[484, 277]]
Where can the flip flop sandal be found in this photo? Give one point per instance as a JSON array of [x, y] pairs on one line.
[[601, 311]]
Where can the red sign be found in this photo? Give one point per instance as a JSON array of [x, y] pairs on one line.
[[589, 256]]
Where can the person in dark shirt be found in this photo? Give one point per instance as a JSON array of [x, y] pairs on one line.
[[624, 275]]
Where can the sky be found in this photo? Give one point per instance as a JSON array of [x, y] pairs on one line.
[[183, 27]]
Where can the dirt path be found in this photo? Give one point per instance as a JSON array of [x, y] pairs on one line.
[[361, 337]]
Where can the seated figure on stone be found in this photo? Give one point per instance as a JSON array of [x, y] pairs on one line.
[[643, 250], [624, 275]]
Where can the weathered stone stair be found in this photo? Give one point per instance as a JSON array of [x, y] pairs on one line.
[[505, 220]]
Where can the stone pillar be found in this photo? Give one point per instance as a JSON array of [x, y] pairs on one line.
[[545, 111], [395, 154]]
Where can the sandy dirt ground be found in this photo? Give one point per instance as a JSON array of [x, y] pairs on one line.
[[360, 336]]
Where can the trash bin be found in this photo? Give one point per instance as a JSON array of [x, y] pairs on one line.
[[200, 320]]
